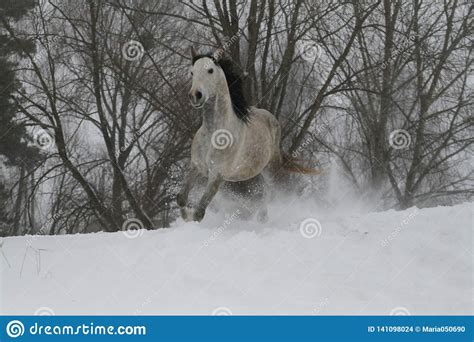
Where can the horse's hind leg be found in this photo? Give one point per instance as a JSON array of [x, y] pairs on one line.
[[251, 197], [262, 213], [258, 198]]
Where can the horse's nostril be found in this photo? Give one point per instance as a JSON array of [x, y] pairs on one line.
[[198, 95]]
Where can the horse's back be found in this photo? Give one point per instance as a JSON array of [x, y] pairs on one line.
[[265, 115]]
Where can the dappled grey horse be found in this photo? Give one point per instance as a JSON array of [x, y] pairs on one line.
[[235, 142]]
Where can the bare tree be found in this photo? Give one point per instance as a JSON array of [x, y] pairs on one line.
[[107, 87]]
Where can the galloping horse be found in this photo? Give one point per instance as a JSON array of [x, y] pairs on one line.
[[235, 142]]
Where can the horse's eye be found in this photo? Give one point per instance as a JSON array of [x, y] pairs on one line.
[[210, 71], [191, 73]]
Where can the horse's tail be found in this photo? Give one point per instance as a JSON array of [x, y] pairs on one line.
[[292, 165]]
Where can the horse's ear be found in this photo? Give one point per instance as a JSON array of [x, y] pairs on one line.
[[193, 52]]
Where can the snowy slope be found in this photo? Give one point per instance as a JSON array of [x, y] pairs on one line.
[[394, 262]]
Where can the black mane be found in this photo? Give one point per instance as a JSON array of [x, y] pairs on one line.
[[234, 83]]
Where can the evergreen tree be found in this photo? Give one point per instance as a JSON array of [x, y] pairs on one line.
[[14, 148]]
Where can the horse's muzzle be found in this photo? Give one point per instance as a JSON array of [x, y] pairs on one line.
[[196, 98]]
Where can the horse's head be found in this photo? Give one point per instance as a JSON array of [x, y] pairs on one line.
[[208, 78]]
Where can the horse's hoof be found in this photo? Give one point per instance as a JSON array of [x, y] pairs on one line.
[[186, 213], [198, 215]]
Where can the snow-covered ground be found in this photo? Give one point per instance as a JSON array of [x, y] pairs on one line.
[[395, 262]]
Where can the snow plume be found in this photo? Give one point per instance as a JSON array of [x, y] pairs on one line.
[[403, 225]]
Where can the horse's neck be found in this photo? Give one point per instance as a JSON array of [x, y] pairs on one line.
[[219, 114]]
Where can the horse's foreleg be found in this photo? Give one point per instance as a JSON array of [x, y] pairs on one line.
[[211, 190], [189, 181]]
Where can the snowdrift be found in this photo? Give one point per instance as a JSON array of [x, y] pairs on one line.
[[303, 261]]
